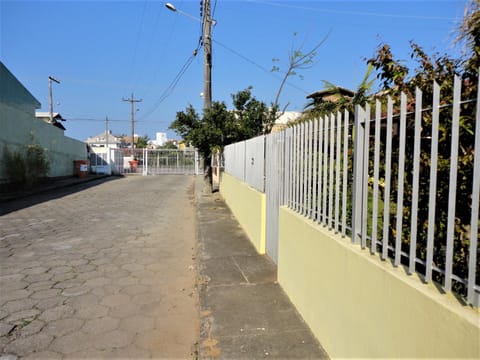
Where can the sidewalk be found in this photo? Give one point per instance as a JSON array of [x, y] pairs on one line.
[[244, 312]]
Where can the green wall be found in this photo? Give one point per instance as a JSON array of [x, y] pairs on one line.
[[19, 127]]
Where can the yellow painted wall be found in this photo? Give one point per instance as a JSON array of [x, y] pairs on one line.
[[361, 307], [249, 207]]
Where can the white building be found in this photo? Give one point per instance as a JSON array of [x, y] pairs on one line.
[[101, 140], [160, 139]]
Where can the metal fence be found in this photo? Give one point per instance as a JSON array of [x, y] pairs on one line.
[[246, 161], [392, 181], [147, 161]]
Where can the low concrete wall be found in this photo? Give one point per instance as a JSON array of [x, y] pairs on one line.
[[249, 207], [361, 307], [20, 128]]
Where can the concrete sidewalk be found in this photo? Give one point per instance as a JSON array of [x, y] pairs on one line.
[[244, 312]]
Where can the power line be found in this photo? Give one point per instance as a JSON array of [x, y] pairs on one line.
[[258, 66], [361, 13], [171, 87]]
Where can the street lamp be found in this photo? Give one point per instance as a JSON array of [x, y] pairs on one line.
[[207, 49], [50, 79]]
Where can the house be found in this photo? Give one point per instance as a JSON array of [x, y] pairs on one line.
[[287, 117], [330, 95], [56, 117], [103, 139]]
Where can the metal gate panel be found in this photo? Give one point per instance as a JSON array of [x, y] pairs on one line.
[[274, 189]]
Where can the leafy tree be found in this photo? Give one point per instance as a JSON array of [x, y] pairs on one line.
[[321, 107], [142, 142], [395, 78], [220, 126]]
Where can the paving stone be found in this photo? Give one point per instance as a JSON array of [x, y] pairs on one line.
[[29, 344], [113, 339], [45, 294], [116, 300], [49, 303], [91, 311], [14, 295], [43, 285], [100, 325], [63, 326], [5, 328], [56, 313], [50, 355], [32, 328], [72, 343], [75, 291], [22, 316], [137, 323], [18, 305]]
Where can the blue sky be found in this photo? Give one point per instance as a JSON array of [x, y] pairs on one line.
[[103, 51]]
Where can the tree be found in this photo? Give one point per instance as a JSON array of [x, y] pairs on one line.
[[220, 126], [317, 108], [297, 60], [395, 78], [142, 141]]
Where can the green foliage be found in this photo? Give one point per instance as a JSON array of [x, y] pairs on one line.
[[142, 142], [396, 78], [321, 107], [220, 126], [24, 167]]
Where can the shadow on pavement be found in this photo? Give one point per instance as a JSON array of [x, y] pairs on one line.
[[56, 189]]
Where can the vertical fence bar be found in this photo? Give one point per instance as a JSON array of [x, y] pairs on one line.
[[366, 155], [345, 173], [376, 175], [320, 171], [325, 171], [305, 169], [302, 165], [310, 165], [452, 195], [308, 169], [400, 179], [415, 180], [472, 295], [358, 146], [295, 167], [433, 182], [286, 165], [337, 171], [331, 168], [388, 170], [314, 180]]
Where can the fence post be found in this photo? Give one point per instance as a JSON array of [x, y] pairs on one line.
[[357, 191]]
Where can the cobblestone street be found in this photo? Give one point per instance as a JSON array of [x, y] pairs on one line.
[[103, 271]]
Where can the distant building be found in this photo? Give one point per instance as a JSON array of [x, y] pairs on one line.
[[160, 139], [330, 95], [102, 139], [45, 116], [284, 119]]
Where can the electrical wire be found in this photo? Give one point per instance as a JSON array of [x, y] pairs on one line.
[[171, 87], [258, 65], [360, 13]]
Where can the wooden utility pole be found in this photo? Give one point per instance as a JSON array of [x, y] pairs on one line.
[[132, 102], [207, 49]]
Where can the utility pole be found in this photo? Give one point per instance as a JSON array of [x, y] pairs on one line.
[[207, 50], [132, 102], [50, 79]]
